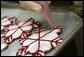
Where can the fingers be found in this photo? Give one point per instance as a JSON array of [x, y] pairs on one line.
[[30, 5]]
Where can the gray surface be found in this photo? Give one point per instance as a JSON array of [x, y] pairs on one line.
[[69, 21]]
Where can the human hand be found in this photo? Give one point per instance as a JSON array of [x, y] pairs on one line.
[[38, 6], [31, 5]]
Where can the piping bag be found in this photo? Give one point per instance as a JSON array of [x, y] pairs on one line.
[[41, 7], [46, 13]]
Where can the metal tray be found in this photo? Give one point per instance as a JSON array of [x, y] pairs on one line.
[[69, 21]]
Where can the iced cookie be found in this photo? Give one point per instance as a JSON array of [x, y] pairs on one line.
[[5, 23], [40, 42], [20, 30]]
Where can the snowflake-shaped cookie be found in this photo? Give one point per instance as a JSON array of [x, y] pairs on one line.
[[19, 30], [6, 21], [40, 42]]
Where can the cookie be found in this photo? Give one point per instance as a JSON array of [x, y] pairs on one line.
[[19, 30], [40, 42], [6, 21]]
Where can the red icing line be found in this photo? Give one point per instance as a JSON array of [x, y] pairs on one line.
[[37, 30], [23, 49], [7, 38], [24, 36], [57, 27], [37, 53], [4, 31], [56, 41]]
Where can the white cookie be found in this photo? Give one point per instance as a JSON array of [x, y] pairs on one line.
[[6, 22], [20, 30], [16, 31], [40, 42]]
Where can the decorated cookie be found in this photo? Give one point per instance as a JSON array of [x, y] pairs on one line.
[[20, 30], [4, 46], [40, 42], [6, 22]]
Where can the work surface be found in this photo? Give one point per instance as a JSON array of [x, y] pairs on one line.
[[69, 21]]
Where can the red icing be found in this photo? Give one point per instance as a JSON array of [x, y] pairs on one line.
[[8, 38], [37, 53], [4, 31], [57, 27], [56, 41], [21, 50], [37, 30], [24, 36]]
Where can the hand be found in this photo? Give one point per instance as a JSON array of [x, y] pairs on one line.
[[38, 6], [30, 5]]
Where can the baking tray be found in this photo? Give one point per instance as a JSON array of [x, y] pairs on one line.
[[69, 21]]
